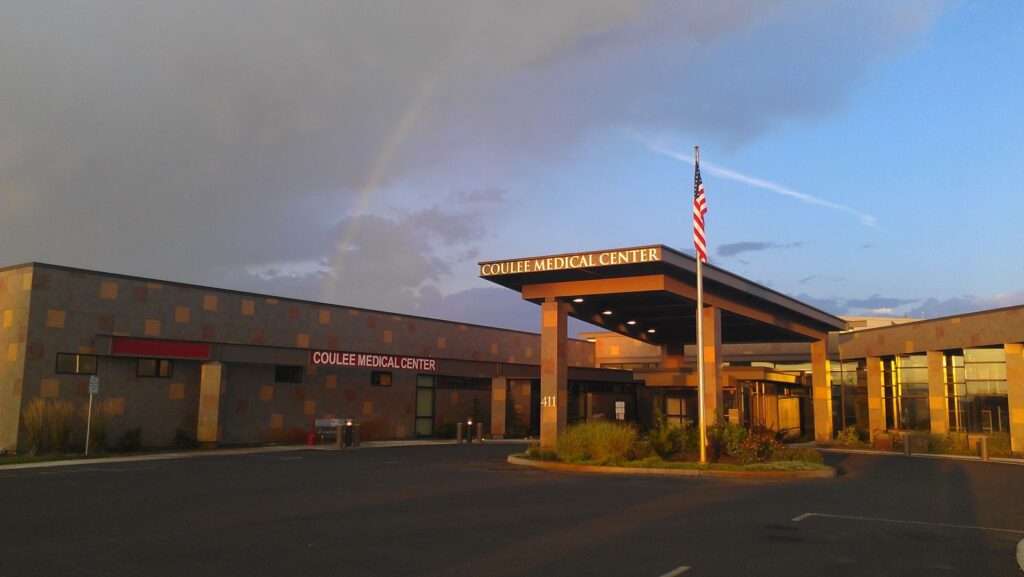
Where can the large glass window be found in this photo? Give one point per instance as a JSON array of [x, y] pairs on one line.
[[976, 392], [849, 395], [424, 405], [76, 364], [163, 368], [905, 385]]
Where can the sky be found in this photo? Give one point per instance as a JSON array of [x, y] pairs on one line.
[[865, 157]]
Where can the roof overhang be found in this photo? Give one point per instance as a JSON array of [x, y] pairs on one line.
[[655, 287]]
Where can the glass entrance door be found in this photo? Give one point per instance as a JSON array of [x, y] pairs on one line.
[[424, 405]]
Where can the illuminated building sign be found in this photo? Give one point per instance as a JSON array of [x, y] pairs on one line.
[[571, 261], [339, 359]]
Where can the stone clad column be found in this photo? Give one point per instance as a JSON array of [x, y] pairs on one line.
[[822, 392], [713, 380], [937, 394], [1015, 394], [211, 382], [499, 404], [876, 405], [554, 374]]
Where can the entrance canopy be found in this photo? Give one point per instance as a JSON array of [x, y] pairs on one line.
[[650, 292]]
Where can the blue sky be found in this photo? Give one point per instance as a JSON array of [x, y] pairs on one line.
[[866, 157]]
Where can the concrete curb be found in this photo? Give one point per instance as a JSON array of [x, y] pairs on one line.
[[1002, 460], [570, 468], [246, 451]]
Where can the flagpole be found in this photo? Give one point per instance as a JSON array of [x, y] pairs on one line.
[[701, 417]]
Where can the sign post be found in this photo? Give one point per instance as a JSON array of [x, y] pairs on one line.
[[94, 388]]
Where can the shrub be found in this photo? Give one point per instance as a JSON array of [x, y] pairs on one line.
[[790, 454], [59, 415], [445, 430], [999, 445], [951, 444], [850, 437], [755, 447], [102, 411], [34, 418], [725, 438], [182, 440], [664, 439], [598, 441], [131, 440], [535, 452]]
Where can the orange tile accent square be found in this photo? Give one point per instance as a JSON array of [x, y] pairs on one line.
[[453, 397], [26, 282], [182, 314], [512, 358], [55, 318], [442, 342], [116, 406], [152, 328], [494, 348], [331, 381], [266, 393], [12, 351], [367, 407], [8, 318], [302, 341], [353, 312], [463, 328], [309, 408], [210, 303], [325, 317], [387, 337], [400, 431], [154, 286], [271, 301], [330, 416], [529, 353], [108, 291], [176, 392], [311, 370], [49, 388], [276, 421], [86, 350], [248, 307]]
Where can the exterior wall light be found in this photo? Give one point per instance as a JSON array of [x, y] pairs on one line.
[[630, 322], [577, 300], [607, 312]]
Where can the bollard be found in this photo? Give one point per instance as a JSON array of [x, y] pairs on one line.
[[906, 443], [479, 432], [983, 448], [458, 433], [469, 431], [338, 439], [355, 435]]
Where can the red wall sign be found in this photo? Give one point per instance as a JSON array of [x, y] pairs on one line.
[[339, 359], [159, 348]]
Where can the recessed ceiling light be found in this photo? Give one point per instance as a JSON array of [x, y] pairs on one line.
[[577, 300], [607, 312], [651, 330], [630, 322], [591, 340]]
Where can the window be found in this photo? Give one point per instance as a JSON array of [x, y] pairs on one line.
[[905, 386], [849, 395], [76, 364], [287, 374], [155, 368], [380, 379], [424, 405], [976, 393]]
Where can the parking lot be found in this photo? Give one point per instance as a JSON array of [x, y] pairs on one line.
[[462, 510]]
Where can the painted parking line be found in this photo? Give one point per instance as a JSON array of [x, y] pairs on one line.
[[903, 522], [677, 571], [1020, 554]]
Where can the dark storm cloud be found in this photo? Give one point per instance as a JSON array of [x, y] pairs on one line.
[[223, 140], [735, 248]]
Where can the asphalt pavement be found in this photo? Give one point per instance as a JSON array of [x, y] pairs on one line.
[[462, 510]]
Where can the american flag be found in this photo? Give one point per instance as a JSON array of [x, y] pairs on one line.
[[700, 208]]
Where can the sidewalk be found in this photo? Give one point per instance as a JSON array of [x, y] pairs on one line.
[[245, 451], [1004, 460]]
